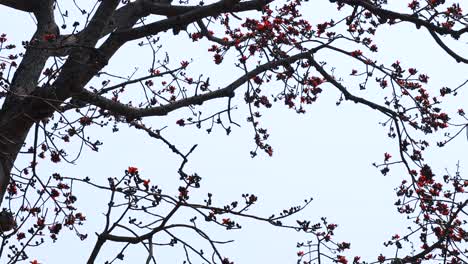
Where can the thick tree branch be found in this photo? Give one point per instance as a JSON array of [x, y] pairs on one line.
[[14, 120], [189, 17], [173, 10], [22, 5], [125, 17], [93, 31]]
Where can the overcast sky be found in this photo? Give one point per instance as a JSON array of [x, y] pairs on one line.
[[326, 154]]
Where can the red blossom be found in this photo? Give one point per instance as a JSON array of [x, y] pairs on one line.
[[132, 170], [20, 236], [423, 78], [180, 122], [184, 64], [196, 36], [149, 83], [146, 183], [54, 193], [55, 157], [343, 246], [356, 53], [49, 37], [341, 259], [414, 5], [12, 189], [387, 156], [218, 58], [85, 121], [269, 151], [356, 259]]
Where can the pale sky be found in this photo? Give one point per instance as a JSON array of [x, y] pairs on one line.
[[325, 154]]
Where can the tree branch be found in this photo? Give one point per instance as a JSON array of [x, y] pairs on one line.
[[133, 112], [450, 52], [348, 95], [188, 17], [14, 121], [386, 14], [93, 32], [21, 5]]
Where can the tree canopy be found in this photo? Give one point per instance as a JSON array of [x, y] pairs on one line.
[[219, 65]]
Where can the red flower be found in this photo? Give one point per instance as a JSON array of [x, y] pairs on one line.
[[55, 228], [154, 72], [226, 261], [341, 259], [35, 262], [40, 222], [343, 246], [12, 190], [184, 64], [146, 183], [383, 83], [149, 83], [300, 253], [20, 236], [218, 59], [54, 193], [381, 258], [226, 221], [49, 37], [85, 121], [132, 170], [356, 53], [387, 156], [423, 78], [269, 151], [180, 122], [55, 156], [80, 216], [413, 5]]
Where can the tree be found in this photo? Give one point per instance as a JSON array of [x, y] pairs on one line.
[[60, 85]]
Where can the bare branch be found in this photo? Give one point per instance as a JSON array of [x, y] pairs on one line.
[[387, 14], [228, 91], [350, 96], [454, 55]]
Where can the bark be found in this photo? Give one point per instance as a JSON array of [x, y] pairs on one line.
[[18, 112]]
